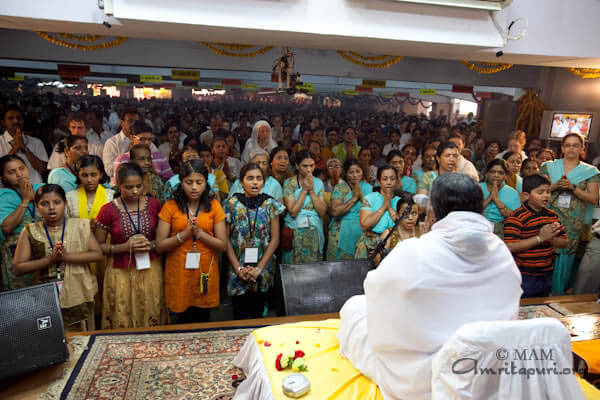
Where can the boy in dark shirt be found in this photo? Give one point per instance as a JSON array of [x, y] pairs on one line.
[[531, 233]]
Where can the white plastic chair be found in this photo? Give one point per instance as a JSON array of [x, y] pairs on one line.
[[506, 360]]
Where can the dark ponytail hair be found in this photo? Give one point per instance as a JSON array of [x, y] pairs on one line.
[[89, 161], [179, 196], [68, 142], [405, 198], [49, 188], [5, 160]]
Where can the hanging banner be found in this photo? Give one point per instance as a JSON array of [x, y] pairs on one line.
[[151, 78], [462, 89], [373, 83], [387, 95], [72, 73], [483, 95], [121, 83], [427, 92], [350, 92], [363, 89], [231, 82], [217, 87], [16, 78], [250, 86], [185, 75], [402, 94], [189, 83]]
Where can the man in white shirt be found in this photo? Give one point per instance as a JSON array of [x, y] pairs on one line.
[[425, 289], [216, 123], [96, 132], [119, 143], [77, 125], [464, 166], [395, 144], [30, 149]]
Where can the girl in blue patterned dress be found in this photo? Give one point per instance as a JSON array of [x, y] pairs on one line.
[[253, 231]]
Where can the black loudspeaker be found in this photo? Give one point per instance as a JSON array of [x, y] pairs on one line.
[[322, 287], [32, 335]]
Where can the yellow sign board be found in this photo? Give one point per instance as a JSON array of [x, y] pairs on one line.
[[16, 78], [350, 92], [306, 86], [185, 75], [151, 78], [250, 86], [387, 95], [373, 83], [217, 87], [121, 83], [427, 92]]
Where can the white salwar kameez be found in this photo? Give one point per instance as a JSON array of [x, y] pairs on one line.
[[420, 294]]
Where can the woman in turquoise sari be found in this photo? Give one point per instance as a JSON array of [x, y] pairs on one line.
[[378, 211], [406, 183], [73, 147], [447, 161], [303, 196], [270, 187], [513, 163], [17, 209], [344, 228], [499, 198], [574, 195]]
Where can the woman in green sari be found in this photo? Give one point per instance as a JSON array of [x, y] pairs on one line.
[[303, 196], [574, 194], [17, 209], [344, 228], [378, 211]]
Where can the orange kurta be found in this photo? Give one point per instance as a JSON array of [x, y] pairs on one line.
[[182, 286]]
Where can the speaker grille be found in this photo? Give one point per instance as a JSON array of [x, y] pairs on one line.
[[31, 330]]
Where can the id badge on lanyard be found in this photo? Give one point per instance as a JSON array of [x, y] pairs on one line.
[[192, 260], [564, 200]]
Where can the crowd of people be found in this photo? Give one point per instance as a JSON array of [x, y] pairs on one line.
[[142, 206]]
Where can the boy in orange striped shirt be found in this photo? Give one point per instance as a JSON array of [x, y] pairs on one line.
[[531, 233]]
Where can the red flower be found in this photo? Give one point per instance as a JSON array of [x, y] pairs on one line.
[[278, 362], [234, 377], [298, 354], [267, 344], [297, 342]]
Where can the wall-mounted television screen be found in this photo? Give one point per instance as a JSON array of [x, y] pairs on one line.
[[565, 123]]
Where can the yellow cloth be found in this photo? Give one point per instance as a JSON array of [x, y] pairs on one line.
[[589, 350], [330, 375], [100, 199]]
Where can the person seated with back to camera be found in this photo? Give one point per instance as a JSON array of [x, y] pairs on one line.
[[409, 309]]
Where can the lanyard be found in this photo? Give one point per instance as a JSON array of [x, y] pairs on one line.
[[187, 214], [62, 237], [139, 225], [70, 169], [31, 210], [250, 227]]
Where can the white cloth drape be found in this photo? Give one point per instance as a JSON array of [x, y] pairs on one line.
[[420, 294], [529, 350], [253, 141]]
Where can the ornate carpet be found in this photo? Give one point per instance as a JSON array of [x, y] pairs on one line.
[[191, 365]]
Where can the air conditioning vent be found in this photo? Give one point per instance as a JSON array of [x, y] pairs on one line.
[[492, 5]]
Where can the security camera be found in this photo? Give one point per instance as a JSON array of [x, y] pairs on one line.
[[106, 24], [499, 53]]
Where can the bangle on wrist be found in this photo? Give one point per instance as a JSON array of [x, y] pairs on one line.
[[179, 239], [539, 239]]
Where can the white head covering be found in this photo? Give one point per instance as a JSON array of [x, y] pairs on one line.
[[253, 142]]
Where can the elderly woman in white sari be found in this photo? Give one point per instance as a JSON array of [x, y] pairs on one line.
[[262, 138]]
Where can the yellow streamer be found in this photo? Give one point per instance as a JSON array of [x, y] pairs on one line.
[[357, 59], [487, 67], [586, 73], [229, 48], [59, 42]]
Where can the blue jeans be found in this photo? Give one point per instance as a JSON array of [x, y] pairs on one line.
[[536, 286]]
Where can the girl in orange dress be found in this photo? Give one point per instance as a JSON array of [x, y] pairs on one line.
[[192, 231]]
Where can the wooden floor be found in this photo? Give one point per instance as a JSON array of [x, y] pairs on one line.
[[31, 386]]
